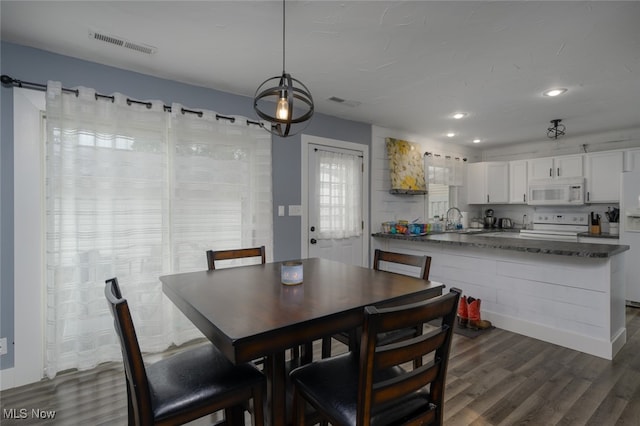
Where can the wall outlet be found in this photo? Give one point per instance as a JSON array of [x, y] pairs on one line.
[[295, 210], [3, 346]]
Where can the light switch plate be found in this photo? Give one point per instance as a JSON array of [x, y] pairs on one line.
[[295, 210], [3, 346], [280, 210]]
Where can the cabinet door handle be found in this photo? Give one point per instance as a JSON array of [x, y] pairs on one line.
[[524, 198], [487, 198], [558, 172], [588, 195], [550, 172]]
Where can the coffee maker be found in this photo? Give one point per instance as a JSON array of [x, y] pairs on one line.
[[489, 219]]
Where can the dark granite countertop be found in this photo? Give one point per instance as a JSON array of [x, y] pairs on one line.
[[478, 240], [601, 235]]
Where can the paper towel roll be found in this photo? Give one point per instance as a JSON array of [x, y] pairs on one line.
[[465, 220]]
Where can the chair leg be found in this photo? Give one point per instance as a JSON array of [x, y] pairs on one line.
[[307, 353], [234, 415], [258, 406], [298, 409], [326, 347], [131, 420]]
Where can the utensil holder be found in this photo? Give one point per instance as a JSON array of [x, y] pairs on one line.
[[594, 229], [614, 229]]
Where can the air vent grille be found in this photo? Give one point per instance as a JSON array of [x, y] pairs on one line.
[[346, 102], [122, 42]]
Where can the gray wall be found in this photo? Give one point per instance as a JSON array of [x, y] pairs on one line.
[[38, 66]]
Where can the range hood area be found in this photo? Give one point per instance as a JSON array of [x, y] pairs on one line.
[[406, 167]]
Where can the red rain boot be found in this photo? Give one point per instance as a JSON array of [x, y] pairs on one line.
[[463, 312], [475, 322]]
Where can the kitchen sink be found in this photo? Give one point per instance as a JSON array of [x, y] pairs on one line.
[[503, 234]]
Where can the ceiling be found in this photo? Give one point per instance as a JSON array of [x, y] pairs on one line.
[[399, 64]]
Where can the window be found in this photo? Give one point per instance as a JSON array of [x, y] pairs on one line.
[[438, 200], [339, 184]]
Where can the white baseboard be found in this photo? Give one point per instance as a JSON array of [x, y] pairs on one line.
[[597, 347]]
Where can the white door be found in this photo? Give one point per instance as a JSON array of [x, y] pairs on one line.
[[336, 204]]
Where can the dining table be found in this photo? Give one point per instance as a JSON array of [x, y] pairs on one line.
[[248, 313]]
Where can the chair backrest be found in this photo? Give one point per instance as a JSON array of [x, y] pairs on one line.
[[135, 372], [215, 255], [423, 263], [375, 389]]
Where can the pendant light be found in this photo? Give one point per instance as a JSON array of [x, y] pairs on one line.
[[284, 101], [556, 129]]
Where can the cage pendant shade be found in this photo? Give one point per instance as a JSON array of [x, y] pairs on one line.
[[276, 91], [284, 101], [556, 130]]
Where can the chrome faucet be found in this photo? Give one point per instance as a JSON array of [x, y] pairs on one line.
[[450, 224]]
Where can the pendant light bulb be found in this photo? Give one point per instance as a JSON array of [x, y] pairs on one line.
[[282, 110]]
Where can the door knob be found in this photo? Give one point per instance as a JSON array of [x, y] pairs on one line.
[[313, 228], [313, 241]]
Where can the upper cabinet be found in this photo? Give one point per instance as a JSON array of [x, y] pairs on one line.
[[603, 176], [518, 182], [632, 160], [488, 183], [554, 167]]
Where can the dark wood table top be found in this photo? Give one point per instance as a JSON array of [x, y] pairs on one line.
[[248, 313]]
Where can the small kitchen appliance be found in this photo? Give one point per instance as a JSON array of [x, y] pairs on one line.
[[489, 219], [505, 223], [556, 192]]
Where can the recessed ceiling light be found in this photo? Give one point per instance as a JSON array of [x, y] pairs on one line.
[[476, 141], [459, 115], [554, 92], [450, 135]]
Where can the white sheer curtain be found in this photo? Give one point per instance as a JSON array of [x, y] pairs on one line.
[[222, 196], [444, 170], [117, 184], [338, 188]]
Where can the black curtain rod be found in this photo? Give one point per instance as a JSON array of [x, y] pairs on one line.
[[8, 81], [431, 154]]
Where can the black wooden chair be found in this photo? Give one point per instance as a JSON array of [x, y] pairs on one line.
[[379, 385], [218, 255], [421, 263], [185, 386]]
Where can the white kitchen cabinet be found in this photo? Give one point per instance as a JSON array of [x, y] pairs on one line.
[[518, 182], [554, 167], [603, 171], [632, 160], [476, 187], [488, 183]]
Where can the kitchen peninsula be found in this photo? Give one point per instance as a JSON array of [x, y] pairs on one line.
[[567, 293]]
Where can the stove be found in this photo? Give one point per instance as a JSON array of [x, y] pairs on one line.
[[557, 226]]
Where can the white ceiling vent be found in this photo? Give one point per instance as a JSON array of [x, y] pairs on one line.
[[122, 42], [344, 101]]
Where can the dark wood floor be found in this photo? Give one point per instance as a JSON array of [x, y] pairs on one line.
[[499, 378]]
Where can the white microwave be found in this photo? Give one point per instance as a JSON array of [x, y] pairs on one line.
[[556, 192]]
